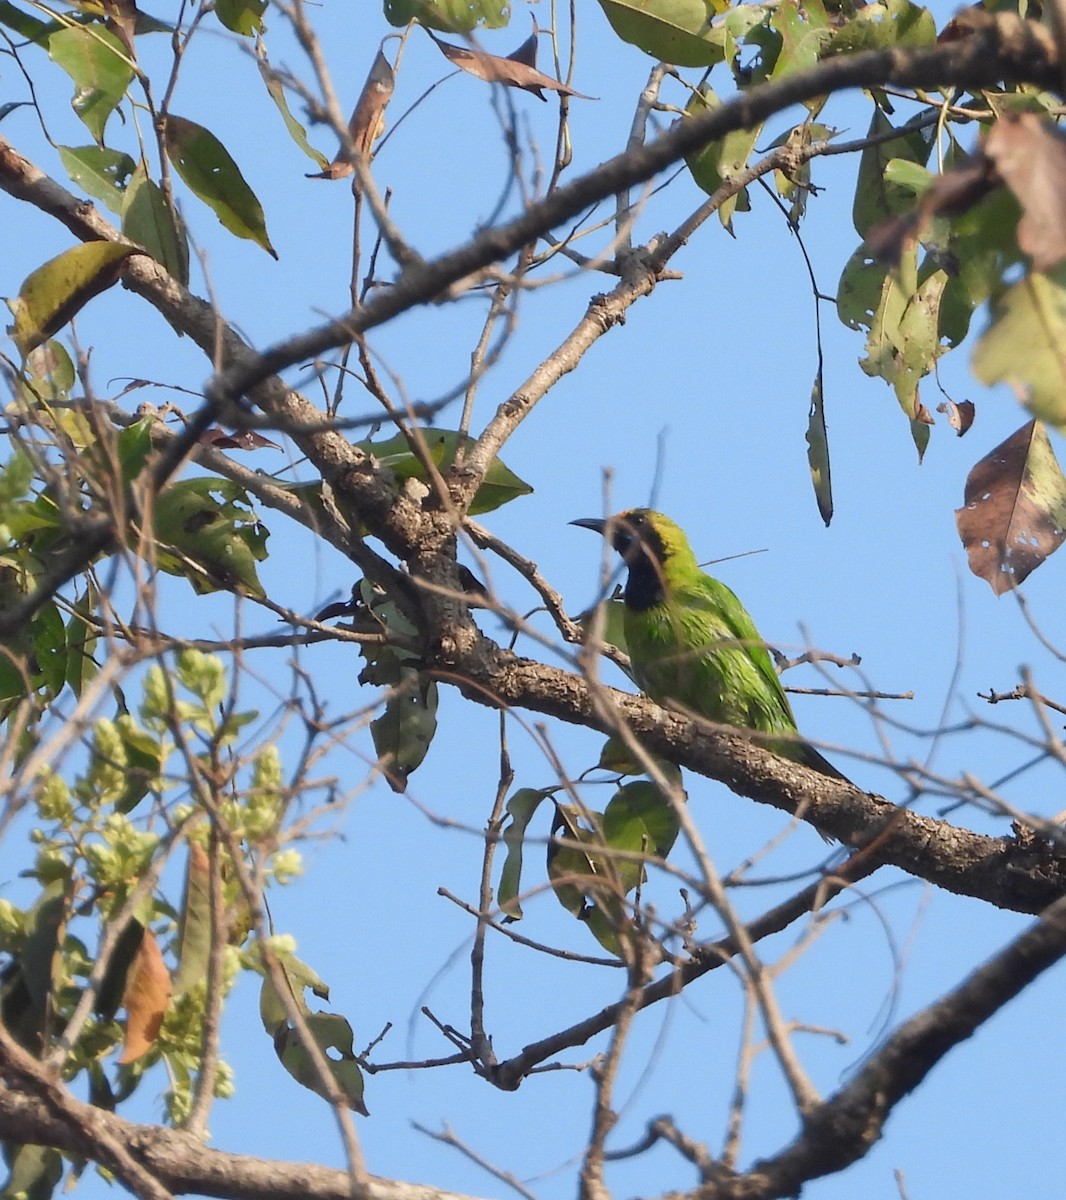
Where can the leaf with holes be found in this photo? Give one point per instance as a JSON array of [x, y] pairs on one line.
[[208, 170], [1014, 514]]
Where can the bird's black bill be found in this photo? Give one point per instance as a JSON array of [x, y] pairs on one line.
[[593, 523]]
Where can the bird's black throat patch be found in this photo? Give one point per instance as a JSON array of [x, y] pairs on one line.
[[644, 553], [644, 587]]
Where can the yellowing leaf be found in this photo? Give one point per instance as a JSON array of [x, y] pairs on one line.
[[1025, 345], [56, 291]]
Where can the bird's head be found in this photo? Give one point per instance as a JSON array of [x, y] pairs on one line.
[[646, 540]]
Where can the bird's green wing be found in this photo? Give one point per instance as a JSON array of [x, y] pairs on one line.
[[744, 651]]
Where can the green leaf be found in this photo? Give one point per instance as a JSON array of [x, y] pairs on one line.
[[98, 64], [207, 169], [673, 31], [194, 928], [149, 221], [860, 289], [335, 1039], [277, 93], [208, 533], [81, 643], [101, 172], [641, 820], [404, 731], [113, 985], [877, 199], [500, 485], [879, 26], [520, 808], [720, 160], [49, 649], [134, 447], [23, 24], [59, 289], [451, 16], [34, 1173], [818, 452], [47, 374], [804, 30], [39, 958], [241, 16], [1025, 343]]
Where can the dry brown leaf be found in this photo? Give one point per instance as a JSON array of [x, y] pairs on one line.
[[122, 21], [1030, 155], [1014, 514], [368, 118], [145, 999], [960, 416], [517, 70], [244, 439]]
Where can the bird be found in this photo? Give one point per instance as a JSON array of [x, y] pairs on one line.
[[691, 642]]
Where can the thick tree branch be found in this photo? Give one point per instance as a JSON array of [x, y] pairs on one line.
[[1024, 877], [845, 1127], [182, 1163]]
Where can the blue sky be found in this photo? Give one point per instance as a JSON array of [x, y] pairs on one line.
[[704, 389]]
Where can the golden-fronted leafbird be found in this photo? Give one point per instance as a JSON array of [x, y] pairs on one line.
[[690, 640]]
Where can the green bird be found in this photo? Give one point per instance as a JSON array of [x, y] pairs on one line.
[[692, 643]]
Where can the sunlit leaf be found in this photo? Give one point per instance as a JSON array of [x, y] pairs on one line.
[[207, 532], [59, 289], [98, 63], [500, 485], [877, 199], [520, 809], [241, 16], [333, 1036], [34, 1172], [718, 161], [450, 16], [1025, 343], [101, 172], [1014, 514], [149, 221], [639, 819], [879, 25], [208, 170], [277, 93], [674, 31], [194, 929]]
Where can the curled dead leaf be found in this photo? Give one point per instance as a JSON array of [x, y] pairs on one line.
[[517, 70], [960, 416], [368, 118]]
